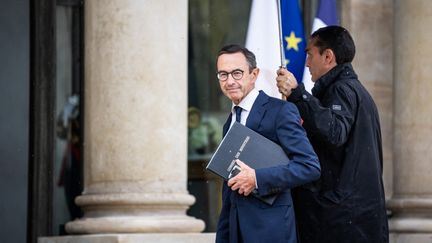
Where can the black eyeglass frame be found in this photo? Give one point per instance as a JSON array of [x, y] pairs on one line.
[[236, 74]]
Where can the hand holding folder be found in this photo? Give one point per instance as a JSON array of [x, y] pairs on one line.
[[242, 178]]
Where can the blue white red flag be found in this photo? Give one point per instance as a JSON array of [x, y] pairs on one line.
[[326, 15]]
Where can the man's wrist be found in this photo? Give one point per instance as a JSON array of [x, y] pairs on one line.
[[296, 93], [256, 181]]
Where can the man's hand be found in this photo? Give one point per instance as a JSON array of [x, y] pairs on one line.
[[245, 181], [286, 81]]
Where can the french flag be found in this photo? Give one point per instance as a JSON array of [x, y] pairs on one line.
[[327, 15]]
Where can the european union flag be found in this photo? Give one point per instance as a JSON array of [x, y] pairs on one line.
[[294, 41]]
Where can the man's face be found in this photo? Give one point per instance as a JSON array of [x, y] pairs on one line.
[[317, 63], [236, 90]]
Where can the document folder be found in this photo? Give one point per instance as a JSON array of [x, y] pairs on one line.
[[252, 148]]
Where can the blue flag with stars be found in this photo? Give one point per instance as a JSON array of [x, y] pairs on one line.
[[293, 37]]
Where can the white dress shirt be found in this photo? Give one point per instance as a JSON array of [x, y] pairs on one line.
[[246, 105]]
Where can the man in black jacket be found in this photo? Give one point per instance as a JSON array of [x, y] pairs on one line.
[[347, 204]]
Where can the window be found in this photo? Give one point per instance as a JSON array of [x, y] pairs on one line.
[[67, 166]]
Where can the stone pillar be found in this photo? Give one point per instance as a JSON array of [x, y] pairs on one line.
[[411, 204], [135, 140]]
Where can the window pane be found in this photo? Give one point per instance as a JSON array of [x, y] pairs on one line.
[[67, 166]]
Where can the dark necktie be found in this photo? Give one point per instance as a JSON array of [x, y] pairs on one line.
[[238, 111]]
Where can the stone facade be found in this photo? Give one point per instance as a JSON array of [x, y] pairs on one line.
[[130, 75]]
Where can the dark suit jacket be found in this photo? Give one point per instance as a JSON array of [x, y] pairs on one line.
[[247, 219]]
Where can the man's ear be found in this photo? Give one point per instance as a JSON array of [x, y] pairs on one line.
[[255, 73], [330, 57]]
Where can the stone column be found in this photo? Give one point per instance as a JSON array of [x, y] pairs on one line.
[[411, 204], [135, 119]]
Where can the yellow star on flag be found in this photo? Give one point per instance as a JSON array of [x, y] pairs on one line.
[[292, 41]]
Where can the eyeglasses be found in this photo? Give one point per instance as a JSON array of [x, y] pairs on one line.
[[237, 74]]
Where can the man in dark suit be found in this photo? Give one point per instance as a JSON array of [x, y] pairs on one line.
[[243, 217]]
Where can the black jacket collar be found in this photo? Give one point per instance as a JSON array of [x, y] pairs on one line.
[[341, 71]]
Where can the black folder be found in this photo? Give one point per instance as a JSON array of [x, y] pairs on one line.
[[252, 148]]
